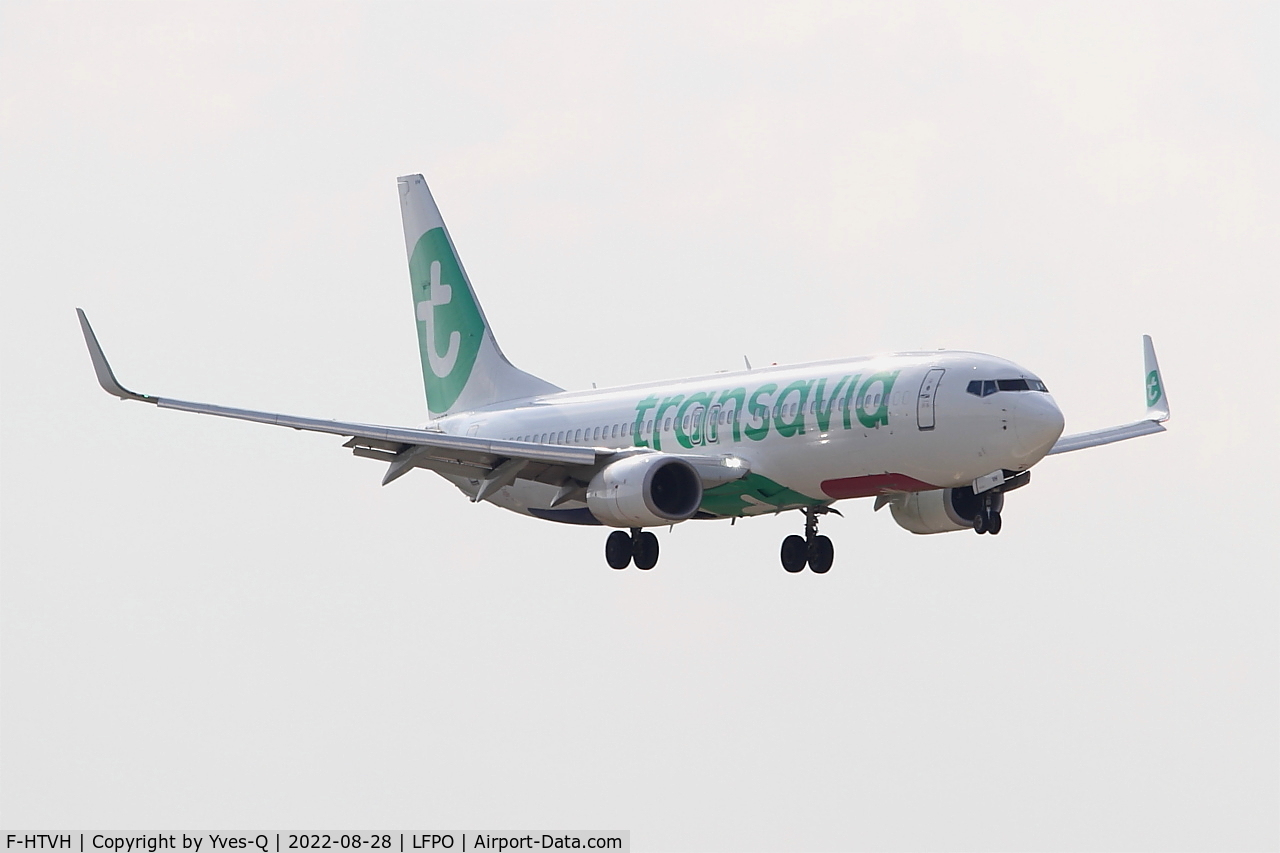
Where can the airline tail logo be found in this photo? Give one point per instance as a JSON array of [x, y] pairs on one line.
[[438, 295], [1153, 389], [447, 316]]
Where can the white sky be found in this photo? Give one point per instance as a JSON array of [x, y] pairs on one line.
[[215, 624]]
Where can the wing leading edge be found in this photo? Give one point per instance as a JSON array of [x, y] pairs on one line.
[[469, 453], [493, 463], [1157, 412]]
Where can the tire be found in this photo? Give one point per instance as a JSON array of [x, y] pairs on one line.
[[617, 549], [644, 550], [980, 521], [994, 524], [794, 553], [821, 555]]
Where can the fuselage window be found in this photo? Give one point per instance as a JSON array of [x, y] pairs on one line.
[[667, 426]]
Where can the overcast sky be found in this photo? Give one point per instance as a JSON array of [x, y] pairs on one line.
[[210, 624]]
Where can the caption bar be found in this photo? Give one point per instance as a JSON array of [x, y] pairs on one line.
[[455, 841]]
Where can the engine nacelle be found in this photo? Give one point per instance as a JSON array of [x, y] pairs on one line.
[[647, 490], [940, 510]]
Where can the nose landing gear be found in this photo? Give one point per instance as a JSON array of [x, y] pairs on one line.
[[813, 549], [622, 548], [987, 519]]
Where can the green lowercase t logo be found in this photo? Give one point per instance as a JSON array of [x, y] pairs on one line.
[[449, 324], [1153, 388]]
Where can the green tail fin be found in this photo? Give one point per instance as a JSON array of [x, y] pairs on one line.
[[462, 366]]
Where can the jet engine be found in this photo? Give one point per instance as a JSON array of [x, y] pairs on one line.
[[647, 490], [941, 510]]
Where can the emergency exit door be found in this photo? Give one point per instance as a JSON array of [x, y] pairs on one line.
[[928, 391]]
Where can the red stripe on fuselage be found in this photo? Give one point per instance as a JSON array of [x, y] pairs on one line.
[[873, 484]]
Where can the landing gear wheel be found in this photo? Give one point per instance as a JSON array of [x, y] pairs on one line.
[[821, 555], [644, 550], [980, 521], [993, 523], [617, 549], [794, 554]]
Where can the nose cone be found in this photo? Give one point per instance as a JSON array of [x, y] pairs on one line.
[[1037, 424]]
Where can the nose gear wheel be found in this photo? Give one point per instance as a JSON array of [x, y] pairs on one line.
[[987, 519]]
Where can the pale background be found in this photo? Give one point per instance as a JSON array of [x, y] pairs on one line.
[[209, 624]]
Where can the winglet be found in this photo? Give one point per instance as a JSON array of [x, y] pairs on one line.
[[106, 378], [1157, 400]]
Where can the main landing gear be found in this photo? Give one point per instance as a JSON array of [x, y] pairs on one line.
[[817, 551], [640, 546]]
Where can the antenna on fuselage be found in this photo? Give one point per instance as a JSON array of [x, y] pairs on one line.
[[747, 362]]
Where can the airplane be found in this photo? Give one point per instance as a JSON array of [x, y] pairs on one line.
[[938, 437]]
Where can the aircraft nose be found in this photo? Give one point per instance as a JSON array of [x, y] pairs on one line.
[[1037, 423]]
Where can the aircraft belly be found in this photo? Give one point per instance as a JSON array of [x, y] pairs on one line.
[[837, 465]]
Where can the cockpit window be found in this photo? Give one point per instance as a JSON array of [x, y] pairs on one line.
[[986, 387]]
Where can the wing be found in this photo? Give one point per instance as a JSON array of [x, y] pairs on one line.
[[1157, 412], [493, 462]]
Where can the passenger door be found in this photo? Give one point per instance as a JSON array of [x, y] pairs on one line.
[[924, 403]]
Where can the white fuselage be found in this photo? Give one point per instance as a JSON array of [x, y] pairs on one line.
[[810, 434]]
